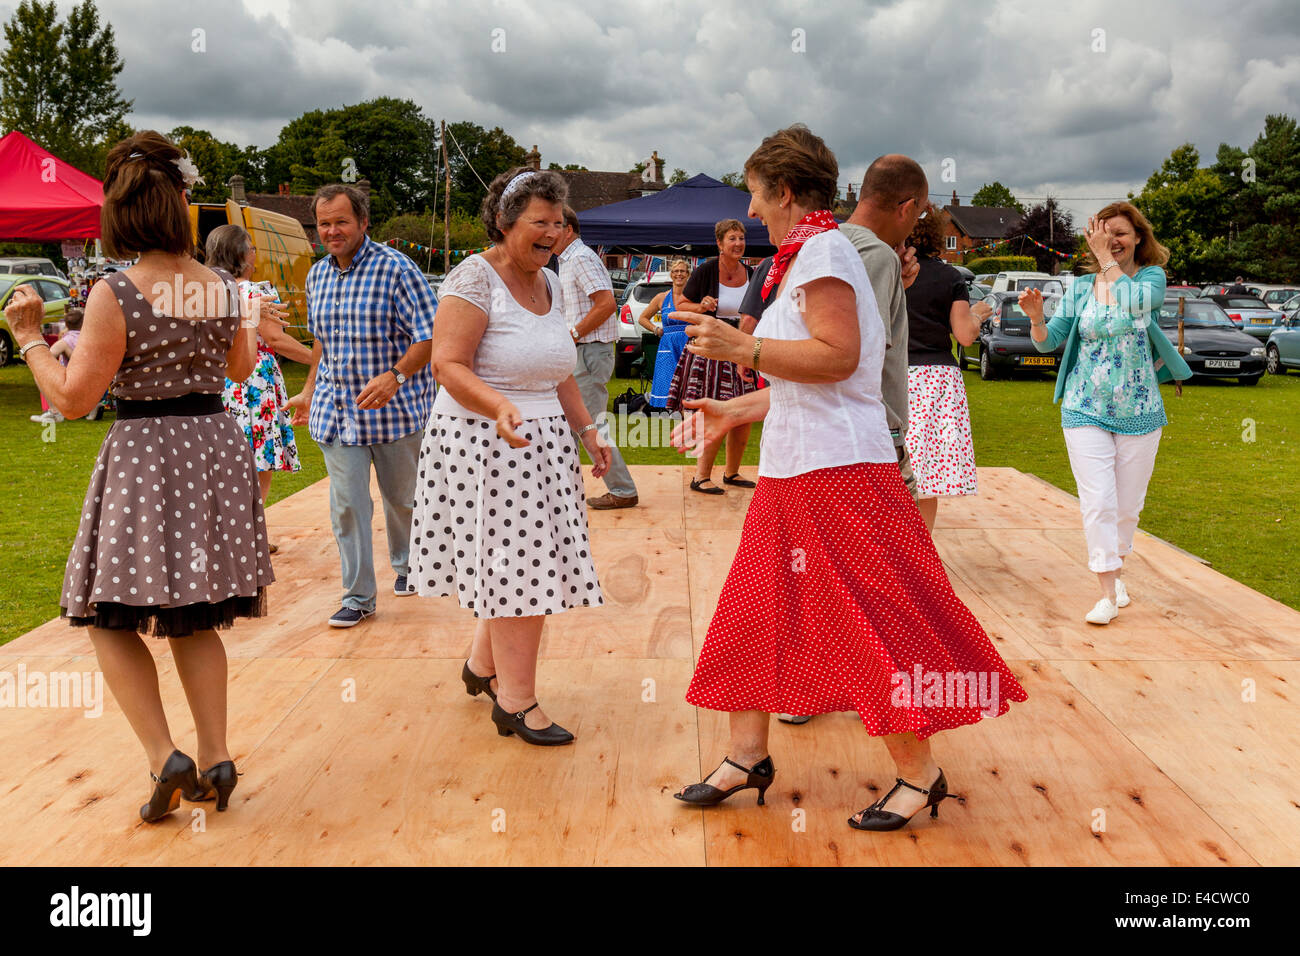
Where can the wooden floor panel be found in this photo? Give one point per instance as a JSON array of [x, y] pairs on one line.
[[359, 746]]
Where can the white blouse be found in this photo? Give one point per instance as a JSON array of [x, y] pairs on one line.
[[812, 426], [522, 355]]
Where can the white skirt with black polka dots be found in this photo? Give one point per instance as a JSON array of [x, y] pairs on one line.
[[504, 529]]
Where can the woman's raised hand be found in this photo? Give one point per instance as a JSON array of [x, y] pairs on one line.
[[508, 419], [1031, 303], [1098, 239], [712, 338], [24, 313]]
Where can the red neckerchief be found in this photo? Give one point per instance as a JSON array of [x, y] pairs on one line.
[[810, 225]]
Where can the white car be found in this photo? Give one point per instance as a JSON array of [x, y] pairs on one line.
[[636, 297], [1020, 281]]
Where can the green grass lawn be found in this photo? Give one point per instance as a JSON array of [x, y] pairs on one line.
[[1226, 469]]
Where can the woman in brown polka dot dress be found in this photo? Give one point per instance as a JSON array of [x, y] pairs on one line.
[[172, 540]]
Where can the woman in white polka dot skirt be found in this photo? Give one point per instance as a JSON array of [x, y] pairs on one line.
[[172, 540], [500, 519], [836, 600]]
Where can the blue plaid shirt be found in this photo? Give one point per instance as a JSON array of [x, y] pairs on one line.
[[365, 318]]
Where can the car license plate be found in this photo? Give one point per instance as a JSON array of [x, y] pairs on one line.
[[1222, 363], [1261, 321], [1047, 360]]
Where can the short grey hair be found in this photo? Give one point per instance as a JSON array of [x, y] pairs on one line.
[[227, 248], [542, 184]]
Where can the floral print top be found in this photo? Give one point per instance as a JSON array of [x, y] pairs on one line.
[[1113, 385]]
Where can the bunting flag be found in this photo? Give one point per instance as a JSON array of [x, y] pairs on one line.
[[404, 244]]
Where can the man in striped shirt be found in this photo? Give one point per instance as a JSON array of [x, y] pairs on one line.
[[369, 389], [593, 321]]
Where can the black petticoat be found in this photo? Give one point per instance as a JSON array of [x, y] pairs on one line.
[[180, 621]]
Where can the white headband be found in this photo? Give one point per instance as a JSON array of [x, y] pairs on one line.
[[514, 184]]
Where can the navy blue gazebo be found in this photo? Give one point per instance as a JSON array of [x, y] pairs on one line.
[[678, 219]]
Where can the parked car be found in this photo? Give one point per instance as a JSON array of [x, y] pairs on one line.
[[1182, 292], [1004, 343], [1274, 297], [52, 290], [435, 282], [978, 291], [986, 278], [1213, 346], [1283, 348], [1249, 314], [636, 297], [964, 273], [31, 266], [1216, 289], [1020, 281]]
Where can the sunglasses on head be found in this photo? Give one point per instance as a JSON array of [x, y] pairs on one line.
[[923, 213]]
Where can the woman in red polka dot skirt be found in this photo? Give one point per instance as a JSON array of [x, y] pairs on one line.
[[837, 599]]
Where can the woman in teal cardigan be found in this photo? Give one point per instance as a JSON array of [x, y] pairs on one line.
[[1108, 385]]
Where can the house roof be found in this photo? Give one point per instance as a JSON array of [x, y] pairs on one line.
[[295, 207], [984, 222], [588, 189]]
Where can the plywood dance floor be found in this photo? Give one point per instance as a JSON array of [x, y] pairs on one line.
[[1165, 738]]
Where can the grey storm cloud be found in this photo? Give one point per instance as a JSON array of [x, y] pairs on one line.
[[1082, 100]]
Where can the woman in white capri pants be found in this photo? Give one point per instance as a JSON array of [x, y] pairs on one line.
[[1108, 385]]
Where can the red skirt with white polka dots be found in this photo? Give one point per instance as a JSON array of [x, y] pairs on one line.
[[837, 601]]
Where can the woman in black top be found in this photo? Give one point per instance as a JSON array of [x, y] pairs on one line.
[[938, 429], [717, 287]]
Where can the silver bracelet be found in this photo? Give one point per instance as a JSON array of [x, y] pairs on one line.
[[1107, 266], [586, 428], [22, 352]]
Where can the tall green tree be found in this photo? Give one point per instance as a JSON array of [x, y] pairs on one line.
[[58, 82], [388, 141], [1053, 227], [995, 194]]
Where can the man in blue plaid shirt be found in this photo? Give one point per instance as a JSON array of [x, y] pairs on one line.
[[369, 388]]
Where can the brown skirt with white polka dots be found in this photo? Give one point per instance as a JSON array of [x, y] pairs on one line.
[[172, 537]]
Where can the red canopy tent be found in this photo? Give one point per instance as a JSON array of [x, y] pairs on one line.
[[42, 198]]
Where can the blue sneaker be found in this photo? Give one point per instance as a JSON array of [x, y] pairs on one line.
[[401, 588], [348, 616]]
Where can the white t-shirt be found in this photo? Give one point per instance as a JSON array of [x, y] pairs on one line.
[[522, 355], [812, 426], [729, 300]]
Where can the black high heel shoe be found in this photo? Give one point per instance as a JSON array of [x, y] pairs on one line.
[[178, 777], [475, 685], [220, 778], [508, 723], [706, 795], [875, 817]]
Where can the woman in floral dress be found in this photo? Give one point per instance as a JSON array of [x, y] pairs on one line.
[[260, 404]]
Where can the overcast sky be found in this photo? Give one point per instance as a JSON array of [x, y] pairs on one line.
[[1081, 100]]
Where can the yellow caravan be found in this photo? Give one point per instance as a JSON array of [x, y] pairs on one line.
[[284, 254]]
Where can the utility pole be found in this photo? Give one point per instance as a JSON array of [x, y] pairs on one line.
[[446, 206]]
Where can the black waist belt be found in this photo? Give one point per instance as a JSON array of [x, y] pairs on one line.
[[195, 403]]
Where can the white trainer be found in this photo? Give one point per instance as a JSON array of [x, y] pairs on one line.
[[1121, 594], [1103, 612]]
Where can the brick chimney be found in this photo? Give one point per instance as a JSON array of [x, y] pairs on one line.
[[532, 158], [851, 198], [659, 166], [283, 189], [236, 184], [364, 186], [955, 200]]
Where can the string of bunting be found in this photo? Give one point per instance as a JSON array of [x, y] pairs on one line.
[[998, 242], [404, 244]]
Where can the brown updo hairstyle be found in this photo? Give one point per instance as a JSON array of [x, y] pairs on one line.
[[798, 158], [927, 235], [1148, 251], [545, 185], [144, 210]]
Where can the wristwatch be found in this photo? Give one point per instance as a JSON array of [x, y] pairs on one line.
[[401, 379]]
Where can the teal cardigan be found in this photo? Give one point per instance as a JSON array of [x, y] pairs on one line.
[[1141, 297]]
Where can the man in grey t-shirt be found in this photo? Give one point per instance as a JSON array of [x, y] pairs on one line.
[[895, 194]]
